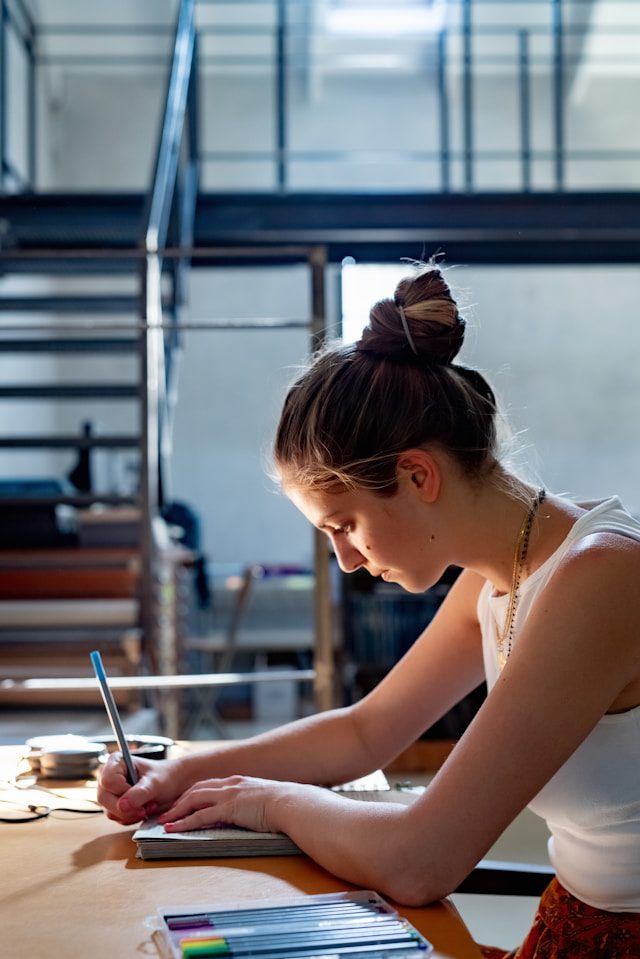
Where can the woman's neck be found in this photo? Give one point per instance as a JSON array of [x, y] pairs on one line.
[[492, 520]]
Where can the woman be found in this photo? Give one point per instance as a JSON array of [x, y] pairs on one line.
[[391, 449]]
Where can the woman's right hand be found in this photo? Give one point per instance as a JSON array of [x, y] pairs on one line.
[[159, 785]]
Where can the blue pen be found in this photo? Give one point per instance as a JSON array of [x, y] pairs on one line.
[[112, 712]]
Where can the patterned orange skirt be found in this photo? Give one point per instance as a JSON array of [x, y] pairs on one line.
[[566, 928]]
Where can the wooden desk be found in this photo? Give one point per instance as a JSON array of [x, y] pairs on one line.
[[70, 886]]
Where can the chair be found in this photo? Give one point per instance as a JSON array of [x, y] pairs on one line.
[[222, 646], [494, 877]]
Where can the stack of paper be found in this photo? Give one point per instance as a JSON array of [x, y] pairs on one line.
[[155, 843]]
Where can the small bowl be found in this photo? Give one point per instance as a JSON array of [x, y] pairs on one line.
[[71, 763], [147, 747], [56, 744]]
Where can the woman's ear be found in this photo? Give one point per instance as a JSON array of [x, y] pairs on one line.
[[421, 471]]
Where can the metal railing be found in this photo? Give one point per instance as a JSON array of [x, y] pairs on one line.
[[171, 210], [16, 22], [160, 639], [289, 47]]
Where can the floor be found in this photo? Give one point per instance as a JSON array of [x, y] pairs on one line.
[[492, 920]]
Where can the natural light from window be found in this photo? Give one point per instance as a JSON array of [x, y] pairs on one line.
[[369, 18], [363, 284]]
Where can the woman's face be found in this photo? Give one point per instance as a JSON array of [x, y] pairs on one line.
[[387, 536]]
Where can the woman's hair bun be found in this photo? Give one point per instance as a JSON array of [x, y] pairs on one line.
[[434, 331]]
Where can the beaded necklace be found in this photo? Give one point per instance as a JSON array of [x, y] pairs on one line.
[[519, 561]]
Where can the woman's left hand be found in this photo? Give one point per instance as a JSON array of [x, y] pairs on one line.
[[239, 800]]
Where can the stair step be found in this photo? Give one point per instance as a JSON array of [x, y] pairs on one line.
[[76, 391], [94, 303], [68, 442], [109, 222], [64, 583], [68, 264], [70, 499], [52, 636], [118, 344], [34, 614]]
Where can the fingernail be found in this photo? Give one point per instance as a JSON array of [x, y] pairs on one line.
[[169, 826]]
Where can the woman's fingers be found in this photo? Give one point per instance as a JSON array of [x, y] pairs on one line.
[[139, 801], [112, 785], [239, 800], [124, 803], [207, 818], [198, 797]]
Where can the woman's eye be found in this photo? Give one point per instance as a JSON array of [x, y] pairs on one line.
[[338, 530]]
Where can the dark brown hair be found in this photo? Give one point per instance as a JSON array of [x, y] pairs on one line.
[[348, 417]]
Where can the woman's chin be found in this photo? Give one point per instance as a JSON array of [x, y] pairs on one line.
[[405, 582]]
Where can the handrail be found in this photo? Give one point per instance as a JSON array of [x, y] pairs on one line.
[[172, 681], [166, 166], [164, 200], [552, 45]]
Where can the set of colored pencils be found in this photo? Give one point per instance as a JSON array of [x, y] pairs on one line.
[[353, 925]]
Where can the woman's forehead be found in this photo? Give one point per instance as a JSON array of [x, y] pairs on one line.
[[319, 501], [320, 505]]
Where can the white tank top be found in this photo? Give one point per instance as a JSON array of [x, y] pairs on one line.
[[592, 804]]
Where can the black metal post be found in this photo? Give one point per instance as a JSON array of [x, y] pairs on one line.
[[325, 687], [558, 94], [3, 93], [186, 201], [193, 105], [148, 480], [318, 264], [151, 410], [467, 95], [525, 110], [31, 109], [443, 114], [281, 96]]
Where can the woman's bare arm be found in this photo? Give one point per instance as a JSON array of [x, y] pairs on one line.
[[442, 666], [572, 659]]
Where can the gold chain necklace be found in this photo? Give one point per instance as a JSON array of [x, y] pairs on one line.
[[519, 561]]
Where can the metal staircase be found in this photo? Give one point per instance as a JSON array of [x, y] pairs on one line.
[[142, 242], [135, 323]]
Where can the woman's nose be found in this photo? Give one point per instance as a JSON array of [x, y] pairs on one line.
[[349, 558]]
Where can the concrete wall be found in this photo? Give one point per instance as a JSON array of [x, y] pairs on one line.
[[231, 387]]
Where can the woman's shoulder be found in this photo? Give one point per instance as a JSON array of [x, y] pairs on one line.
[[568, 528], [598, 533], [607, 511], [592, 602], [605, 528], [591, 566], [597, 564]]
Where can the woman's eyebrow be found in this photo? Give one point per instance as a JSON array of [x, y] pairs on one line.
[[324, 519]]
